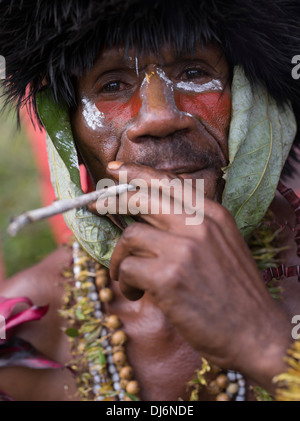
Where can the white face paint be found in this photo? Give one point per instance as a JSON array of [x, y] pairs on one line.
[[213, 85], [165, 78], [94, 119], [168, 90]]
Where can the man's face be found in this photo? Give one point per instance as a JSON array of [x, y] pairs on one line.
[[170, 113]]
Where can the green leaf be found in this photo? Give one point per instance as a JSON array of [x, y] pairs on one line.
[[101, 358], [262, 394], [72, 332], [55, 119], [93, 335], [79, 314], [132, 397], [260, 138]]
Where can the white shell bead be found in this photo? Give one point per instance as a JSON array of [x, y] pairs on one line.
[[115, 377]]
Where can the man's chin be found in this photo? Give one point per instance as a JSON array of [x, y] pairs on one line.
[[213, 182]]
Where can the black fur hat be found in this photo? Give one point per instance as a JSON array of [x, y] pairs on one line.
[[55, 40]]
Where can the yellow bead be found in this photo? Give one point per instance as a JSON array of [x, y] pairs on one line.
[[222, 381], [113, 322], [119, 338], [133, 387], [126, 372], [106, 295], [119, 358], [232, 388], [102, 280], [222, 397], [100, 270], [118, 348]]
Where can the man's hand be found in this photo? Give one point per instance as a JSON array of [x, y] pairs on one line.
[[206, 282]]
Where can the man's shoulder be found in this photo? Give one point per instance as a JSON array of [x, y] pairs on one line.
[[42, 281]]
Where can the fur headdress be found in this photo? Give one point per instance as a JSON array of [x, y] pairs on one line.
[[55, 40]]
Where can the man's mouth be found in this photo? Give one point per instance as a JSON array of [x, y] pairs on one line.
[[181, 169]]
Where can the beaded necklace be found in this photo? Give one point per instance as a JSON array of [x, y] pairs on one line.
[[98, 343]]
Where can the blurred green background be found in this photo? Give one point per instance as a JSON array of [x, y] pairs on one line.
[[19, 189]]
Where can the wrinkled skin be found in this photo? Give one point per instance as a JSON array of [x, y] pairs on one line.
[[146, 121]]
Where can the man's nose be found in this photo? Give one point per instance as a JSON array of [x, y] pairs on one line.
[[159, 115]]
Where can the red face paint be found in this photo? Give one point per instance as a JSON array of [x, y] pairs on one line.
[[212, 107], [120, 112]]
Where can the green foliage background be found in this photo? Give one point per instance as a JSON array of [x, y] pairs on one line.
[[19, 191]]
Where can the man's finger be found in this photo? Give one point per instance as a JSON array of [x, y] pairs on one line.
[[134, 273], [139, 240]]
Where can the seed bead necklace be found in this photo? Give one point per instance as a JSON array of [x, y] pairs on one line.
[[98, 342], [109, 375]]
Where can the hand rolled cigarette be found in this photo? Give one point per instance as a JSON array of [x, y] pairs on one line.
[[61, 206]]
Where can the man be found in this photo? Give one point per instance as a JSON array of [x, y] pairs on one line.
[[161, 91]]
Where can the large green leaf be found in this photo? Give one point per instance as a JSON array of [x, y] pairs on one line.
[[260, 138], [57, 123]]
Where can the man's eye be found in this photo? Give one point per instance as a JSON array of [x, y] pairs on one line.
[[113, 87], [194, 74]]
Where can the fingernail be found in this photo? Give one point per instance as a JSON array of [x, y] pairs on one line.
[[114, 165]]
